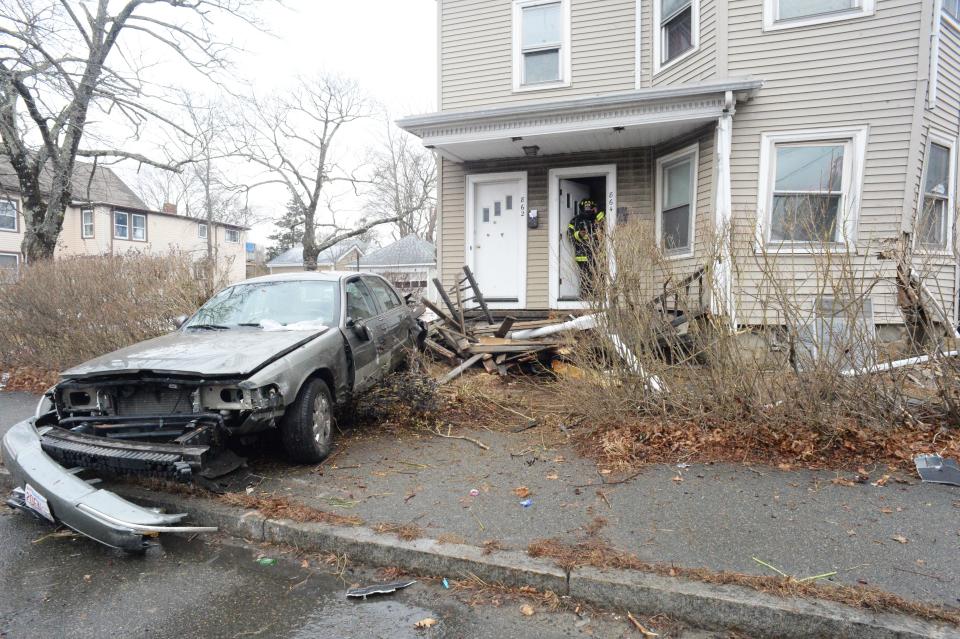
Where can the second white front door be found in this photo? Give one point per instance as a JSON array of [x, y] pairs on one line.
[[571, 193], [498, 239]]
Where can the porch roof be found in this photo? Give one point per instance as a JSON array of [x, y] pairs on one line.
[[620, 120]]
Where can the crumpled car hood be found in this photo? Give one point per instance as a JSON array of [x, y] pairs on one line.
[[238, 351]]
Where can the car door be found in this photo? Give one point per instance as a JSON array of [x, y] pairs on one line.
[[361, 308], [394, 318]]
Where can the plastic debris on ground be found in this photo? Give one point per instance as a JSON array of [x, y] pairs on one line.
[[474, 493], [446, 584], [378, 589], [934, 469], [526, 503], [267, 561]]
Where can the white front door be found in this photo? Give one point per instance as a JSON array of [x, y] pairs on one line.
[[498, 239], [571, 193]]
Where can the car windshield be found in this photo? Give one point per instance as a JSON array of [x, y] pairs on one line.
[[293, 304]]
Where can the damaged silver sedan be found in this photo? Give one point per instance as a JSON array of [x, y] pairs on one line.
[[281, 353]]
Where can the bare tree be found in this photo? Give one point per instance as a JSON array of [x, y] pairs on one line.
[[291, 137], [64, 63], [404, 184]]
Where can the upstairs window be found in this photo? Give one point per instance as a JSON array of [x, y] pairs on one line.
[[934, 220], [202, 231], [139, 225], [233, 236], [783, 14], [8, 216], [677, 35], [541, 43], [121, 225]]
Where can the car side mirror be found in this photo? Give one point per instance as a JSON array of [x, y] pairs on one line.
[[179, 320], [359, 329]]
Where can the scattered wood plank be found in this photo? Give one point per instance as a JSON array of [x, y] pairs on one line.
[[496, 349], [439, 350], [459, 370], [439, 312], [505, 327], [489, 364]]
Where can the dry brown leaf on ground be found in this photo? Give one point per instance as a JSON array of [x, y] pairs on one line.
[[553, 475], [900, 539], [423, 624], [839, 481], [886, 511], [522, 492], [526, 610]]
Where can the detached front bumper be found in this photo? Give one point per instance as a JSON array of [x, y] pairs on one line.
[[96, 513]]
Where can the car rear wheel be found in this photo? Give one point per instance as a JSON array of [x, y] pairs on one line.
[[307, 426]]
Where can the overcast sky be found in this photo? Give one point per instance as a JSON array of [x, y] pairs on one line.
[[388, 46]]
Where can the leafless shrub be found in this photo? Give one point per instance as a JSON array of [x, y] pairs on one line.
[[661, 352], [61, 312]]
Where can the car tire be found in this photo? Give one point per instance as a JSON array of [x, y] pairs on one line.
[[307, 426]]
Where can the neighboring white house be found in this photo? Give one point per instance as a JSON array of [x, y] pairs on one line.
[[811, 128], [410, 264], [106, 217], [344, 256]]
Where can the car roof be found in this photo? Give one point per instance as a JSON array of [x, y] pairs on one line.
[[322, 276]]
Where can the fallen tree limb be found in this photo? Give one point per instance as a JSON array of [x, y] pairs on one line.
[[479, 443]]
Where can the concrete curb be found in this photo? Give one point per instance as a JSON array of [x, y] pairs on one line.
[[702, 605]]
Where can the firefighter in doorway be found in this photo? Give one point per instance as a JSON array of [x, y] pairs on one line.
[[585, 231]]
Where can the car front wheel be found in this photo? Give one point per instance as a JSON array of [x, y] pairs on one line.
[[307, 426]]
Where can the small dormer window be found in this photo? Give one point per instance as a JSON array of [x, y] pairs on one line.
[[541, 43]]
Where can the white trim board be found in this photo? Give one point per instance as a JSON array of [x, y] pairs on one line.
[[692, 151], [608, 171], [473, 180]]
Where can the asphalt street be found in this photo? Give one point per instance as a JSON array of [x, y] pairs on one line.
[[58, 584]]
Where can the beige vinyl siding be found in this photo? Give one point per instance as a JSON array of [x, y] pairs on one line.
[[850, 73], [635, 201], [71, 241], [477, 52], [700, 65]]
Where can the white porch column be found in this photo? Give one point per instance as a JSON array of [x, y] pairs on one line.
[[722, 300]]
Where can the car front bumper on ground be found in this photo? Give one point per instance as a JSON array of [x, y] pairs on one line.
[[96, 513]]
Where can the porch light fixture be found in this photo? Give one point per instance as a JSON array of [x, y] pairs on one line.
[[531, 151]]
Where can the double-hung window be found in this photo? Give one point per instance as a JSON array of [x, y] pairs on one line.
[[934, 220], [541, 43], [138, 224], [782, 14], [8, 215], [121, 225], [810, 187], [9, 267], [676, 202], [86, 224], [202, 231], [677, 31], [232, 236]]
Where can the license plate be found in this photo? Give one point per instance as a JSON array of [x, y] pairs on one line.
[[37, 502]]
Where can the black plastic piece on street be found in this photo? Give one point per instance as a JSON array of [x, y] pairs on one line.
[[378, 589]]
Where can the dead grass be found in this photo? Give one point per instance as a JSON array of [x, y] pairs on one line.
[[451, 538], [598, 554], [492, 545], [404, 532], [274, 507]]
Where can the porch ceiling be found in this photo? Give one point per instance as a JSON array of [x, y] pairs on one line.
[[624, 120]]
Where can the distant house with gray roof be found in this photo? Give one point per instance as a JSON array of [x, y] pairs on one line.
[[345, 256], [409, 264], [105, 216]]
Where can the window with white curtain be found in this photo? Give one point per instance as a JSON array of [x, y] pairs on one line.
[[541, 43]]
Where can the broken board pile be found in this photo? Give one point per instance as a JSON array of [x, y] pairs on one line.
[[465, 333]]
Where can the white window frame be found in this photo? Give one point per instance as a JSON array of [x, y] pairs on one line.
[[771, 10], [658, 40], [83, 225], [143, 217], [565, 45], [941, 139], [16, 216], [226, 236], [851, 188], [126, 226], [16, 270], [692, 153], [949, 19], [202, 230]]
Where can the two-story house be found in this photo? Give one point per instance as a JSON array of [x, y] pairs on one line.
[[107, 217], [807, 126]]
